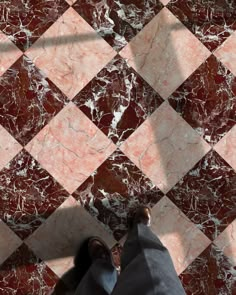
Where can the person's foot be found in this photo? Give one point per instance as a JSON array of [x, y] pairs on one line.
[[98, 249], [142, 215]]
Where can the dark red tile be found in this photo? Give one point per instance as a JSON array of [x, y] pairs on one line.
[[120, 20], [25, 21], [116, 188], [28, 194], [210, 274], [207, 100], [25, 274], [28, 100], [118, 100], [211, 21], [207, 194]]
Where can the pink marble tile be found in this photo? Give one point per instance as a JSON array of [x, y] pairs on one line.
[[9, 53], [58, 239], [9, 147], [226, 241], [226, 147], [181, 237], [71, 53], [71, 2], [165, 2], [165, 147], [9, 242], [70, 147], [165, 53], [226, 53]]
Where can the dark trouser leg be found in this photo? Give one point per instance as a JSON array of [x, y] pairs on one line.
[[99, 280], [147, 267]]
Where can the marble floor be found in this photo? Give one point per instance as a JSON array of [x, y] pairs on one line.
[[106, 105]]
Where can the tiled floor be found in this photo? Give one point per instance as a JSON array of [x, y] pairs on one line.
[[105, 105]]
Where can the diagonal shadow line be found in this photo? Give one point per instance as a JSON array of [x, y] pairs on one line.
[[44, 42], [63, 40], [52, 41]]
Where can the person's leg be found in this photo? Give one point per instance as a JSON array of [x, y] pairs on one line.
[[146, 266], [101, 277]]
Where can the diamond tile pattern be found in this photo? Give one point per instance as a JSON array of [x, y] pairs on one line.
[[28, 194], [211, 21], [78, 118], [9, 242], [207, 194], [25, 21], [118, 100], [113, 190], [165, 147], [211, 272], [226, 53], [226, 242], [207, 100], [226, 147], [70, 147], [26, 273], [74, 226], [165, 53], [80, 53], [120, 20], [184, 240], [9, 53], [9, 147], [28, 100]]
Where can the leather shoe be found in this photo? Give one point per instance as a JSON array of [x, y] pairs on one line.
[[98, 249], [142, 215]]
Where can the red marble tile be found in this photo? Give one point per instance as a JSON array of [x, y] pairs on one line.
[[25, 21], [28, 100], [116, 188], [120, 20], [28, 194], [118, 100], [212, 21], [207, 100], [206, 194], [211, 273], [23, 273]]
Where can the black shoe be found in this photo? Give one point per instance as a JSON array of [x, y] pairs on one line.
[[142, 215], [97, 249]]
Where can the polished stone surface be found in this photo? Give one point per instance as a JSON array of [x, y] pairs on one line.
[[207, 100], [25, 21], [211, 21], [26, 273], [70, 53], [118, 100], [70, 147], [165, 147], [28, 100], [206, 194], [118, 21], [106, 105], [29, 194], [67, 228], [114, 190], [184, 240], [211, 273], [165, 53]]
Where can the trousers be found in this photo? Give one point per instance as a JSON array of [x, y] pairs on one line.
[[146, 269]]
